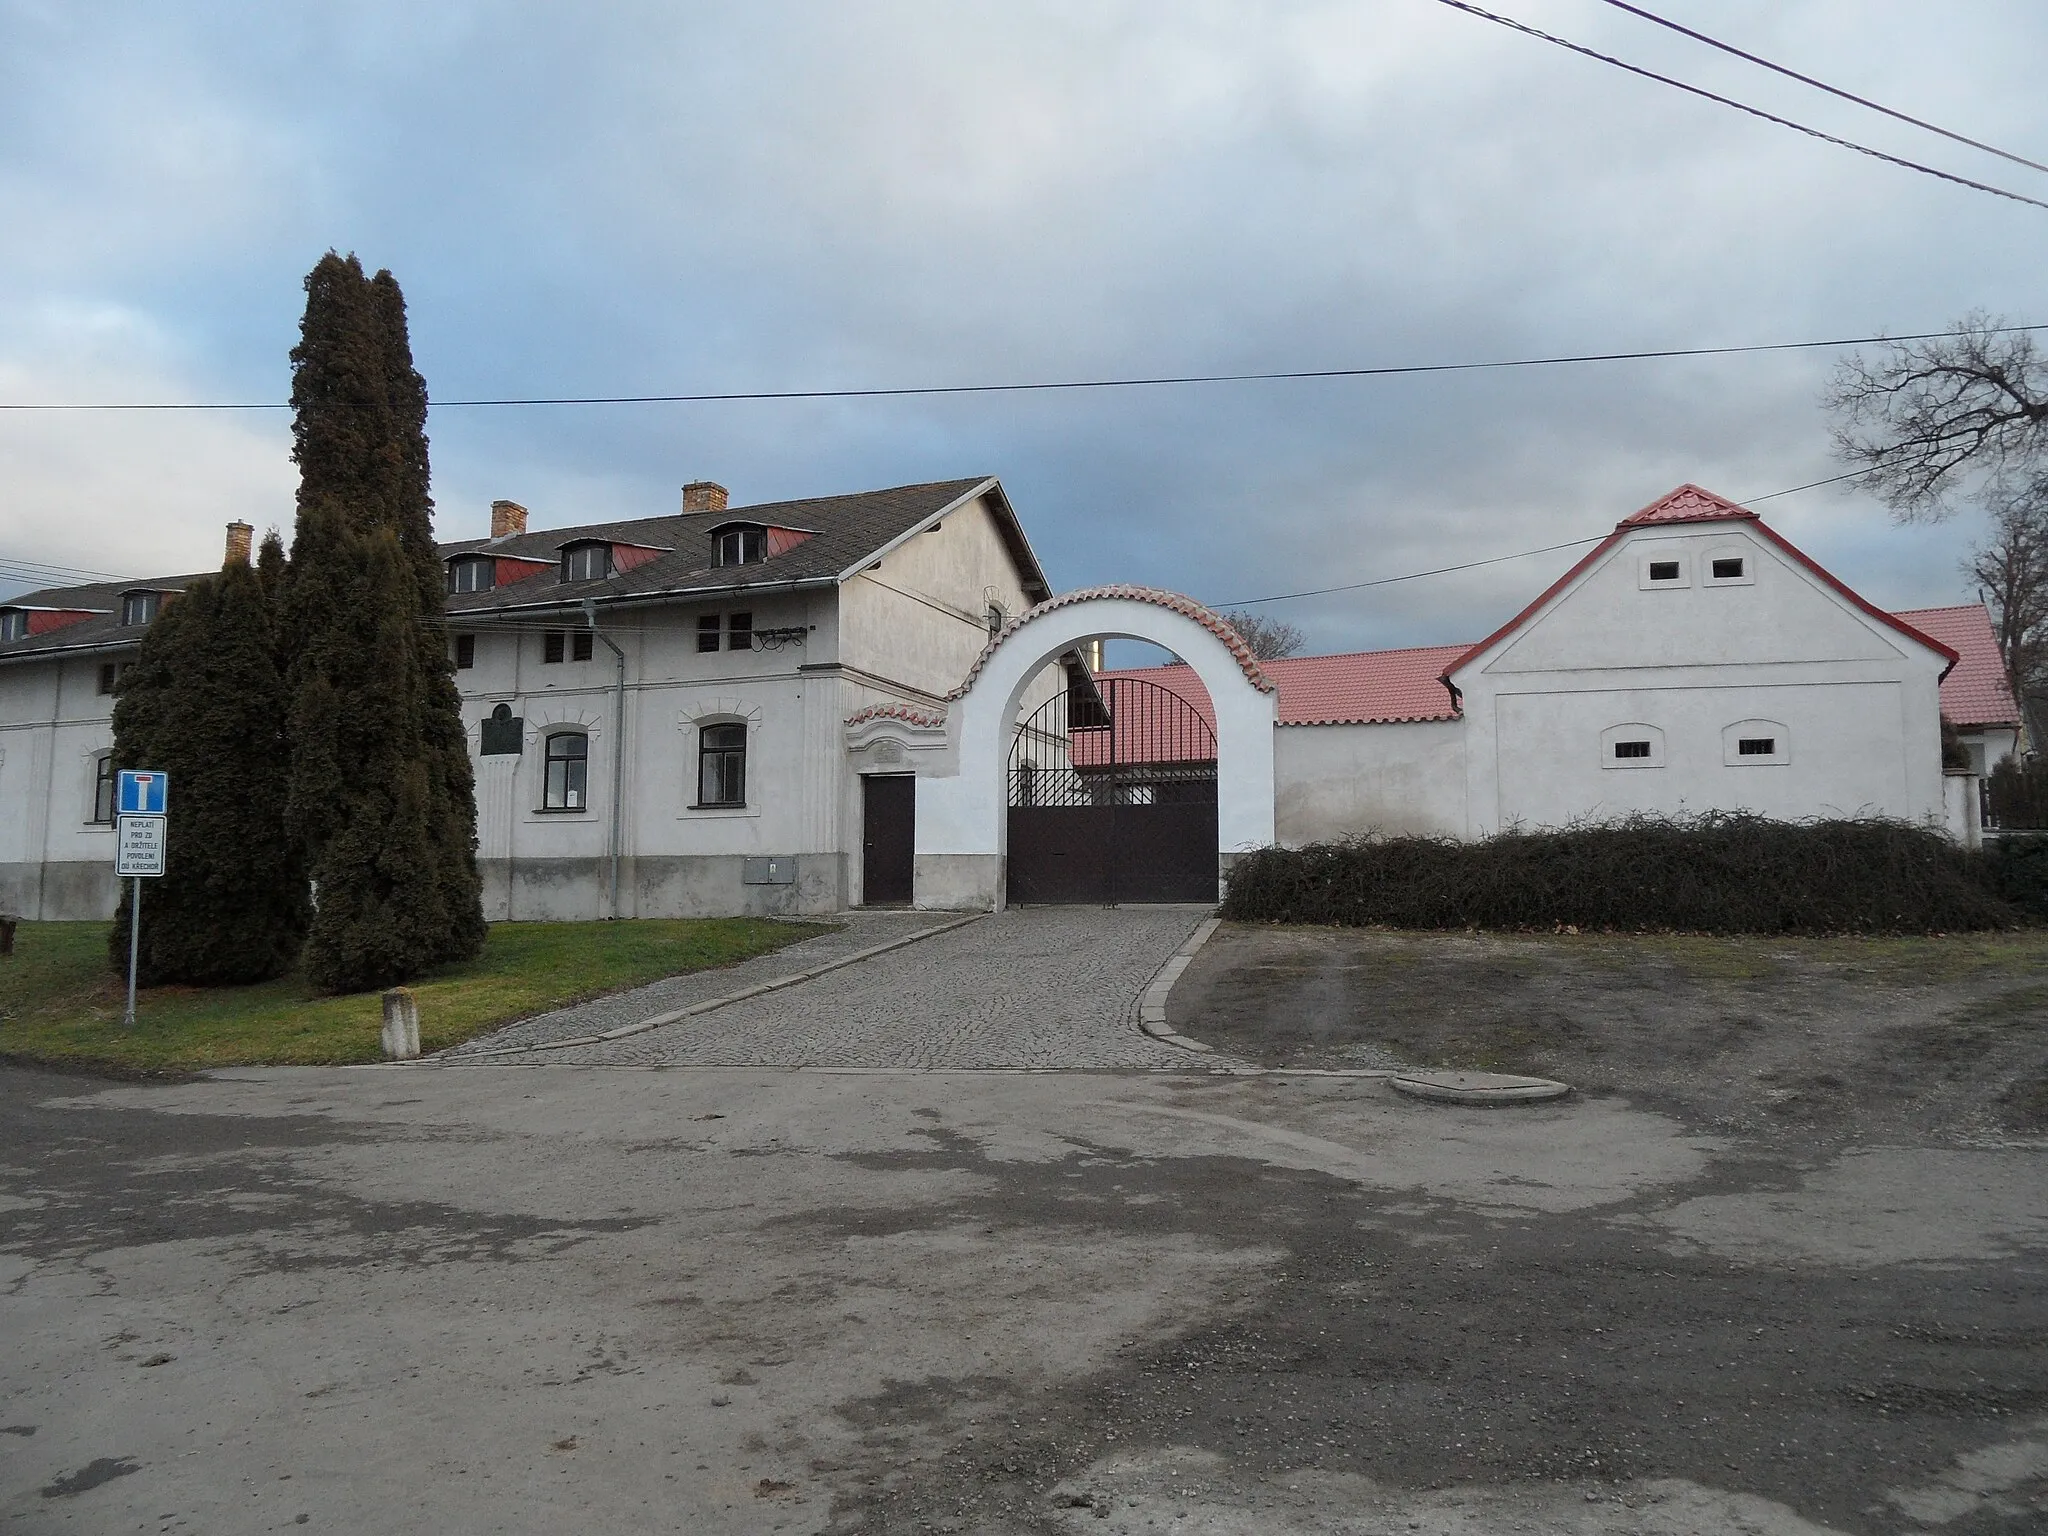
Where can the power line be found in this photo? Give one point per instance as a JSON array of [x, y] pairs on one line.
[[1387, 581], [1729, 101], [1822, 85], [1391, 370], [1473, 565]]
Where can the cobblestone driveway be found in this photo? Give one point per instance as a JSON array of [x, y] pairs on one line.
[[1030, 987]]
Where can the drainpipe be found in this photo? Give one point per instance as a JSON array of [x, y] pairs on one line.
[[618, 744]]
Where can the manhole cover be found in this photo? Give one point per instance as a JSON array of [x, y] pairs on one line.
[[1477, 1087]]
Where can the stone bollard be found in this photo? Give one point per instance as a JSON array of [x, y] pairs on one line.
[[401, 1025]]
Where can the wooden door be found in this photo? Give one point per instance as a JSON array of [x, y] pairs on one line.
[[888, 824]]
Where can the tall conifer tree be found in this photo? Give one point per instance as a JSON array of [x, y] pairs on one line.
[[382, 800], [204, 701]]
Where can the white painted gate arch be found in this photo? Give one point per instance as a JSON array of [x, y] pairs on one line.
[[962, 790]]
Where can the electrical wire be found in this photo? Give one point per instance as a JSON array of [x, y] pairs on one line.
[[1728, 101], [1391, 370], [1473, 565], [1822, 85]]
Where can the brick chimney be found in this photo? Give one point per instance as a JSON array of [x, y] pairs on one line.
[[239, 535], [704, 496], [507, 518]]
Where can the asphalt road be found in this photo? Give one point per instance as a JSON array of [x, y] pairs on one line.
[[544, 1299]]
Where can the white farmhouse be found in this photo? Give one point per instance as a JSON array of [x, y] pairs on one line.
[[875, 698]]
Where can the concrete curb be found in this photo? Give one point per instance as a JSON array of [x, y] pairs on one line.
[[1152, 1006], [676, 1016]]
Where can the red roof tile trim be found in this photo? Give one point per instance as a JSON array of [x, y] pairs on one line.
[[1356, 688], [904, 712], [1173, 602], [1976, 691], [1690, 504]]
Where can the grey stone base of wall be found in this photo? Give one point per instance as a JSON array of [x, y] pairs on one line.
[[70, 892], [700, 885], [958, 882]]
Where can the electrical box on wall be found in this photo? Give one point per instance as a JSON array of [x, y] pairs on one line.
[[776, 871]]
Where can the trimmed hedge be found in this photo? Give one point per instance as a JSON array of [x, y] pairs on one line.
[[1712, 873], [2018, 871]]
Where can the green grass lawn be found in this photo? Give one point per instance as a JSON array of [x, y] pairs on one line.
[[61, 1005]]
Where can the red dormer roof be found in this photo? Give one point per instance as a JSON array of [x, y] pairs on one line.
[[1976, 691], [1691, 504]]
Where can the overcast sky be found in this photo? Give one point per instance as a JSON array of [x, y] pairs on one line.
[[641, 198]]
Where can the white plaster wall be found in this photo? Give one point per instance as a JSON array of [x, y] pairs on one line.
[[1858, 701], [920, 615], [54, 726], [1339, 781]]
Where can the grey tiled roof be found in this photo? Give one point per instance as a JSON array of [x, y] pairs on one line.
[[849, 530], [102, 599]]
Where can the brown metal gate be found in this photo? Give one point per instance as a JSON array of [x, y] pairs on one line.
[[1113, 797]]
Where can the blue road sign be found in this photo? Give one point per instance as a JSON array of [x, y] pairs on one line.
[[142, 792]]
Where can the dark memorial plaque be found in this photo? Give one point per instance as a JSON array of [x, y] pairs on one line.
[[503, 733]]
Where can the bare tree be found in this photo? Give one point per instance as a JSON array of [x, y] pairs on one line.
[[1269, 639], [2010, 568], [1929, 420]]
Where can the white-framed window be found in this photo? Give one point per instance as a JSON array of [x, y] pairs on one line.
[[472, 573], [13, 624], [586, 562], [567, 767], [1634, 745], [722, 763], [1756, 744], [1729, 566], [103, 790], [1663, 568], [743, 545], [140, 607]]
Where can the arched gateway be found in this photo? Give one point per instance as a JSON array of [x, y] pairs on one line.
[[1133, 767]]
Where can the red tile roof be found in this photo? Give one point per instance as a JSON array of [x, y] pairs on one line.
[[1357, 688], [1390, 687], [1975, 692], [1688, 504]]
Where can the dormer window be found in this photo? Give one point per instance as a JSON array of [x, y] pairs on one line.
[[140, 607], [472, 573], [743, 544], [586, 562], [13, 624]]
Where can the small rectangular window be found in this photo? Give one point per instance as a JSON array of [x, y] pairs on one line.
[[579, 648], [1663, 570], [1728, 570], [139, 607], [707, 632], [551, 646], [739, 632], [1631, 749], [13, 625], [1757, 746], [103, 790], [465, 652], [587, 562], [110, 676]]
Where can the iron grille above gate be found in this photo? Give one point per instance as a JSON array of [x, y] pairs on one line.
[[1115, 741]]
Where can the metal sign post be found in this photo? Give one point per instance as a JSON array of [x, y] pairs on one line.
[[142, 798]]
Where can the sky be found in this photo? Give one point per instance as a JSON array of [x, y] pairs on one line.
[[777, 194]]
